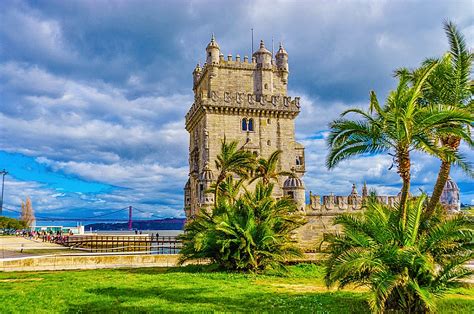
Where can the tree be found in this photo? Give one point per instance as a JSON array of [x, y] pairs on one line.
[[401, 126], [7, 223], [404, 268], [267, 169], [449, 86], [252, 234], [232, 160], [230, 189], [247, 230], [27, 213]]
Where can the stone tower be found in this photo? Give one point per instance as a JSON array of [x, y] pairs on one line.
[[450, 196], [243, 100]]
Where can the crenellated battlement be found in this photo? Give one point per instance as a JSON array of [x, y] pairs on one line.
[[236, 64], [336, 204]]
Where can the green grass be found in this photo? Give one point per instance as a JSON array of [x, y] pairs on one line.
[[188, 289]]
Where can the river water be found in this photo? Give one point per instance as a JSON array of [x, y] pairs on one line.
[[161, 233]]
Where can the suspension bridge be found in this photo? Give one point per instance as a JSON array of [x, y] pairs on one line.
[[104, 217]]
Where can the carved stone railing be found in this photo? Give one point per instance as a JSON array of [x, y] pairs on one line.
[[334, 204], [246, 100]]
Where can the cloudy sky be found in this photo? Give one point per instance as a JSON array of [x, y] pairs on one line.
[[93, 93]]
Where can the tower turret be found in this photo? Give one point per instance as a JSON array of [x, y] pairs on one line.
[[294, 188], [263, 81], [353, 198], [262, 56], [213, 51], [187, 198], [205, 180], [365, 192], [282, 63], [450, 196]]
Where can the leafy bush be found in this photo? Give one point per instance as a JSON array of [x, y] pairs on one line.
[[405, 267], [252, 233], [11, 223]]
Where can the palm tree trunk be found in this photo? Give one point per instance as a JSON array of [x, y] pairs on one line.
[[404, 166], [439, 186], [220, 178], [452, 142]]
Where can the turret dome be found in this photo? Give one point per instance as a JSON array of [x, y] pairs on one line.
[[206, 174], [281, 51], [451, 185], [213, 43], [354, 191], [263, 56], [262, 49], [293, 182]]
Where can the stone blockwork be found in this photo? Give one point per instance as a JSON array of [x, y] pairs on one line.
[[320, 215], [245, 101]]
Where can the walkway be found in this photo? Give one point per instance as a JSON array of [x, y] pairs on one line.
[[11, 246]]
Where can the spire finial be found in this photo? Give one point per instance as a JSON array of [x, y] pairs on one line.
[[262, 44], [354, 189]]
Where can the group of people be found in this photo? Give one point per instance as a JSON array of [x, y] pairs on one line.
[[58, 237], [27, 234], [45, 236]]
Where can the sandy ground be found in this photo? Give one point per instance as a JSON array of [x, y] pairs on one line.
[[11, 246]]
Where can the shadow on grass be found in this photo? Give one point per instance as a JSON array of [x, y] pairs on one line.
[[171, 299], [184, 269]]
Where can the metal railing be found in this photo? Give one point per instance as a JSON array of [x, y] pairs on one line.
[[118, 243]]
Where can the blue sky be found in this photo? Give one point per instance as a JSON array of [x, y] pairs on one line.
[[93, 93]]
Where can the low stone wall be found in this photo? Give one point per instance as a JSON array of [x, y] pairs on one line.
[[63, 262], [70, 262], [310, 235]]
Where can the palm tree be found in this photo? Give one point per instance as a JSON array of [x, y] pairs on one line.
[[229, 189], [404, 268], [251, 234], [400, 127], [449, 85], [266, 169], [232, 160]]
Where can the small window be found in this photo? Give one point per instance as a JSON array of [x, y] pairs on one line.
[[269, 143], [209, 54], [291, 194], [244, 124], [266, 86], [269, 121], [250, 125], [298, 161]]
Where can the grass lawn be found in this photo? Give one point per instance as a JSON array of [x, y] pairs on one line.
[[188, 289]]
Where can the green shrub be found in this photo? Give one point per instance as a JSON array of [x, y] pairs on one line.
[[405, 267]]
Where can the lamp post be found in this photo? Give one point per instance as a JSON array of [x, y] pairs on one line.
[[3, 173]]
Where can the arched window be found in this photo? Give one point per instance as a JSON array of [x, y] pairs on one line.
[[244, 124], [250, 124], [298, 161]]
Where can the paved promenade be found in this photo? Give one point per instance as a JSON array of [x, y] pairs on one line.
[[11, 246]]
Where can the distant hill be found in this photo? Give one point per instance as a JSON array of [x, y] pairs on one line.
[[158, 224]]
